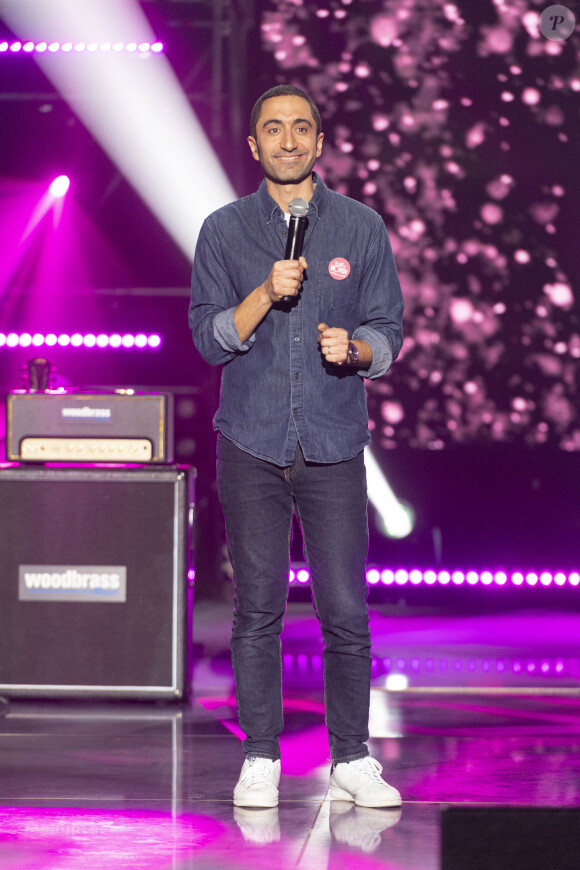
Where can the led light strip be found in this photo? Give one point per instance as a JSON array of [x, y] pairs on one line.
[[76, 340], [53, 47], [445, 665], [416, 577], [456, 665]]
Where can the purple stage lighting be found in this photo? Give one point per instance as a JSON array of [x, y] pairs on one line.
[[431, 577], [59, 186], [77, 340], [40, 47], [419, 665]]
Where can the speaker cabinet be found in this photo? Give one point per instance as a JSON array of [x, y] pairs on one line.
[[95, 596], [510, 838]]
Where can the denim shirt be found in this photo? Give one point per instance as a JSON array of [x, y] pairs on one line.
[[276, 387]]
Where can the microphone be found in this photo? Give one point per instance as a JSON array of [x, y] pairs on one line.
[[296, 229]]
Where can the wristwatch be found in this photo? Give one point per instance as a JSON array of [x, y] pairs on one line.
[[352, 354]]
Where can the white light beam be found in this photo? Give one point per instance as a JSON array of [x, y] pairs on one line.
[[132, 104], [397, 518]]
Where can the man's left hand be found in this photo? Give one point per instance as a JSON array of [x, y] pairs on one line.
[[333, 343]]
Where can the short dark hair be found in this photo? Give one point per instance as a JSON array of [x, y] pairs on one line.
[[283, 91]]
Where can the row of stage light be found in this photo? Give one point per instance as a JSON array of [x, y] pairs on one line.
[[445, 665], [127, 341], [54, 47], [421, 672], [432, 577]]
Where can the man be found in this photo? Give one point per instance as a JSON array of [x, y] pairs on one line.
[[292, 425]]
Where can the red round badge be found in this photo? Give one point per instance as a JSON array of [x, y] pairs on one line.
[[339, 268]]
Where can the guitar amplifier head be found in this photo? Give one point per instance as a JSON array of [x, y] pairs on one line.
[[89, 427]]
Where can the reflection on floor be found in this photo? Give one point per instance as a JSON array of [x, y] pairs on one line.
[[489, 779]]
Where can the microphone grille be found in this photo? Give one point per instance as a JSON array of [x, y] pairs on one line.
[[298, 207]]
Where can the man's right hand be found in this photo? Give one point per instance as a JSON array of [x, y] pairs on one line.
[[285, 279]]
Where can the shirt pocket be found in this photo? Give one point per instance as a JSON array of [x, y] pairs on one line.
[[338, 287]]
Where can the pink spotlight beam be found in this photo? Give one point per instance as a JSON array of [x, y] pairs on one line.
[[59, 186], [52, 199]]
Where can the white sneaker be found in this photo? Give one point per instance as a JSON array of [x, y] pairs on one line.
[[258, 783], [361, 827], [361, 781], [258, 825]]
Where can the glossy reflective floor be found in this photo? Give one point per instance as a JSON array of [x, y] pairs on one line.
[[490, 777]]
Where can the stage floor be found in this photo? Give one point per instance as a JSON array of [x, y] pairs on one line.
[[490, 777]]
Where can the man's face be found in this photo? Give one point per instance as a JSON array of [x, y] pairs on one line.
[[286, 144]]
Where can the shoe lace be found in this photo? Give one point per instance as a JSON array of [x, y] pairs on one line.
[[372, 768], [257, 769]]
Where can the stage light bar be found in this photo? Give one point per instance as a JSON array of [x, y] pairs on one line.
[[430, 665], [431, 577], [52, 47], [416, 577], [445, 665], [127, 341]]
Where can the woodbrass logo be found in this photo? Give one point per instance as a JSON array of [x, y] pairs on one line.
[[82, 583]]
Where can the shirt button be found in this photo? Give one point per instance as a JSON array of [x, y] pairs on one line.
[[296, 338], [297, 375]]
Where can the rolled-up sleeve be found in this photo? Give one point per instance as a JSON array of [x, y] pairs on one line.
[[381, 305], [226, 334], [382, 353], [213, 302]]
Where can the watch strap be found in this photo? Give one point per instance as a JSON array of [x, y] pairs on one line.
[[352, 354]]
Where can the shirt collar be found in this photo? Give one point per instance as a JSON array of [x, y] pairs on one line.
[[270, 207]]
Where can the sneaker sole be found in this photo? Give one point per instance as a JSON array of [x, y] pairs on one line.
[[338, 794], [241, 802]]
